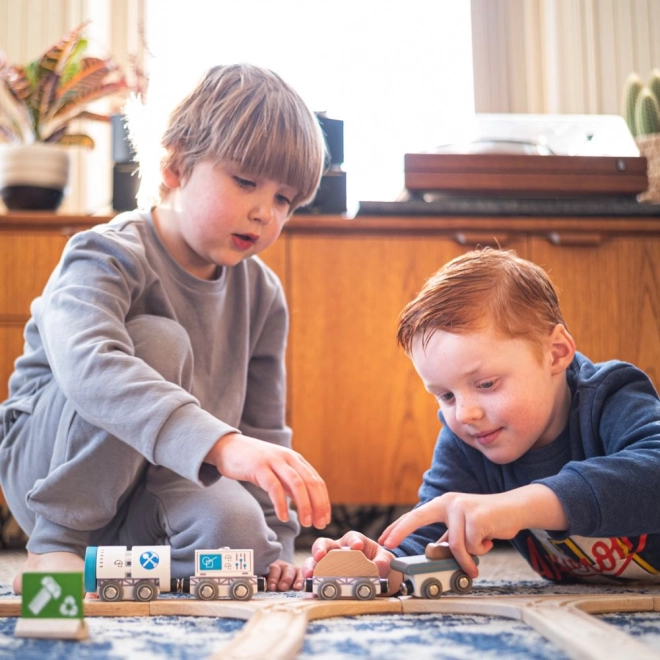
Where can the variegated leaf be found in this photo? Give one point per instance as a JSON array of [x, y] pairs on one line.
[[92, 95], [9, 135], [91, 75], [72, 64], [45, 96], [17, 83], [75, 139], [55, 57]]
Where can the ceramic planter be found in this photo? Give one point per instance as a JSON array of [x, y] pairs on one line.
[[33, 176]]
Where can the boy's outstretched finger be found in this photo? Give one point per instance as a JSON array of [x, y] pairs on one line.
[[431, 512], [319, 500], [271, 483], [305, 486], [290, 481], [456, 537]]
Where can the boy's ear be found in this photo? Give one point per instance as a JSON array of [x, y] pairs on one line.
[[171, 176], [562, 348]]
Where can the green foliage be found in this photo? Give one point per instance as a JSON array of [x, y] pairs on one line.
[[647, 113], [51, 92]]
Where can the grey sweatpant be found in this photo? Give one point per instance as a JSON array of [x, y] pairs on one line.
[[70, 484]]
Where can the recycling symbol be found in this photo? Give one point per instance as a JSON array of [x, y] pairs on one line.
[[69, 607]]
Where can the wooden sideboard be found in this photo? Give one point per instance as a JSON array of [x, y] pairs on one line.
[[358, 410]]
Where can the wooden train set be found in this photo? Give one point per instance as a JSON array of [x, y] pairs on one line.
[[276, 626]]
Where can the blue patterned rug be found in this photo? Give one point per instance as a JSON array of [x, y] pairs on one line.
[[418, 636]]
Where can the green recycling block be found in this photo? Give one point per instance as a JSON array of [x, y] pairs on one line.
[[52, 596]]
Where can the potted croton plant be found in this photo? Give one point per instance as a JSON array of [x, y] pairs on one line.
[[43, 98]]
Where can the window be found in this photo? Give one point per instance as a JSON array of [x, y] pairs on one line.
[[397, 72]]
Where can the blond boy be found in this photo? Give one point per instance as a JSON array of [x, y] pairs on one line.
[[148, 405]]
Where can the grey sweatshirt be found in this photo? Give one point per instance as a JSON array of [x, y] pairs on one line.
[[237, 325]]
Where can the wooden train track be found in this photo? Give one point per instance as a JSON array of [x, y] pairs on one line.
[[276, 628]]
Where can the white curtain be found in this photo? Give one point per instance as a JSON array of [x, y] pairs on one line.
[[397, 72], [561, 56]]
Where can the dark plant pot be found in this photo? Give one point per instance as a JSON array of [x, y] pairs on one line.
[[33, 176], [31, 198]]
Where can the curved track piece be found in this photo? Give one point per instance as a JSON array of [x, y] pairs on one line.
[[563, 620]]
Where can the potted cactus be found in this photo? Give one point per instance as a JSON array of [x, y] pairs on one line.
[[43, 99], [641, 109]]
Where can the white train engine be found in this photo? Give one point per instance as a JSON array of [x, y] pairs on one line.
[[143, 572]]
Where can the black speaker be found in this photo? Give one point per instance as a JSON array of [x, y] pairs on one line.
[[125, 178], [333, 130], [331, 195], [125, 186]]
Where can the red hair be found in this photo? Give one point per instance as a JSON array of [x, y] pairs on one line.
[[480, 288]]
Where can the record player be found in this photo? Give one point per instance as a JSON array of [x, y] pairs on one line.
[[534, 156]]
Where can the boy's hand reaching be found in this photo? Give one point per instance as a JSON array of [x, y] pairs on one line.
[[280, 471], [473, 521], [355, 541], [283, 576]]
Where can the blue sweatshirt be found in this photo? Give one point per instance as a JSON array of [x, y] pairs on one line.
[[604, 467]]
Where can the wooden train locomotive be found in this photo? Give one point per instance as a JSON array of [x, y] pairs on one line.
[[433, 573]]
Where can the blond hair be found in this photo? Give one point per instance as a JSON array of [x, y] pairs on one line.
[[247, 115], [479, 288]]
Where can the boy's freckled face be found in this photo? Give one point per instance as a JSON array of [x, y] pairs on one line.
[[219, 216], [493, 392]]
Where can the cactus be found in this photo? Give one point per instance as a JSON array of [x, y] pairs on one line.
[[654, 84], [631, 90], [647, 113]]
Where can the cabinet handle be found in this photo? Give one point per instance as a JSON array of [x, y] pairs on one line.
[[576, 239], [473, 239]]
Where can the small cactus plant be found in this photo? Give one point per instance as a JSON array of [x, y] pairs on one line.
[[641, 104], [647, 113], [641, 109], [631, 91], [654, 83]]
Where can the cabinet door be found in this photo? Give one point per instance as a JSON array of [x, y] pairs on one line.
[[26, 261], [610, 296], [11, 346], [359, 411], [276, 257]]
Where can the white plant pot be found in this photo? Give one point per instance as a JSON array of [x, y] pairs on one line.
[[33, 176]]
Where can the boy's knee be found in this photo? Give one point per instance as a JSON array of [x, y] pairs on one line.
[[165, 346], [242, 526]]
